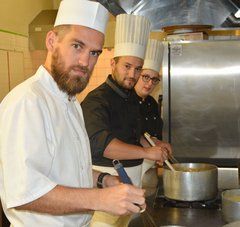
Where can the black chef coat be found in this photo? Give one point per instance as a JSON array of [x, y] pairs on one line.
[[151, 120], [111, 112]]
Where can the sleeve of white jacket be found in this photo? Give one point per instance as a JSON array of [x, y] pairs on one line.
[[26, 152]]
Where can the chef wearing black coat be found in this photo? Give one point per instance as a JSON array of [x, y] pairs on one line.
[[111, 111]]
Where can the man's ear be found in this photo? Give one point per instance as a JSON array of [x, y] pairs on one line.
[[113, 64], [51, 39]]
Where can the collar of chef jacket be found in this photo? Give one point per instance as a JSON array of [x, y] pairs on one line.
[[117, 88]]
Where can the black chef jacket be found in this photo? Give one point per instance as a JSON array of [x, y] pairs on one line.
[[111, 112], [151, 120]]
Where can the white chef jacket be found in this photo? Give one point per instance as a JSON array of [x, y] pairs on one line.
[[43, 143]]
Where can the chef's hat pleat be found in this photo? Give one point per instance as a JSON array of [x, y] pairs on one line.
[[154, 55], [131, 35]]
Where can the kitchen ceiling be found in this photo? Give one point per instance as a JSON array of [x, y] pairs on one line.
[[163, 13]]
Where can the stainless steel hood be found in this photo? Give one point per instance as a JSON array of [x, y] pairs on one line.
[[163, 13]]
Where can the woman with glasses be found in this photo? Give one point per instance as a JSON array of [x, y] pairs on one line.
[[150, 115], [148, 80]]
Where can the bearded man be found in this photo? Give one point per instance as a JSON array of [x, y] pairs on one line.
[[46, 176]]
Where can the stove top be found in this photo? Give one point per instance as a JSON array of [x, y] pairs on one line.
[[165, 211], [161, 201]]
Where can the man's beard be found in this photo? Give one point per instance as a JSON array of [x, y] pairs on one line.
[[123, 83], [67, 82]]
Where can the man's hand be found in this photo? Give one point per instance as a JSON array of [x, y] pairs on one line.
[[165, 145], [156, 153], [121, 199], [110, 180]]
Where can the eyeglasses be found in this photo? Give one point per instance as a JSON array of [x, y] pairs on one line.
[[147, 78]]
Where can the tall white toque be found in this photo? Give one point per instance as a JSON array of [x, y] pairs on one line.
[[82, 12], [154, 55], [131, 35]]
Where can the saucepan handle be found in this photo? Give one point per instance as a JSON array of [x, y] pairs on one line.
[[121, 172]]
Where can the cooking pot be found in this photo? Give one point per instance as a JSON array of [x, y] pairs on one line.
[[171, 226], [190, 181], [232, 224], [231, 205]]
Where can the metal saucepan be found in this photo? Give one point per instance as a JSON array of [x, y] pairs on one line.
[[232, 224], [172, 226], [190, 181], [231, 205]]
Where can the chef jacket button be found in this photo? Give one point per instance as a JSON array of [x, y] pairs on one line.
[[140, 102], [146, 118], [154, 118], [149, 104]]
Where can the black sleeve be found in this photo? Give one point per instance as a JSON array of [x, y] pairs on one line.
[[96, 116]]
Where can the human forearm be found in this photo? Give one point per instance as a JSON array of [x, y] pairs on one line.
[[63, 200], [117, 149]]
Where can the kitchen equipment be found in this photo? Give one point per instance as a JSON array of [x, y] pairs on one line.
[[190, 182], [172, 159], [166, 13], [123, 176], [167, 211], [164, 202], [148, 138], [172, 226], [201, 81], [184, 213], [121, 172], [147, 219], [231, 205], [232, 224]]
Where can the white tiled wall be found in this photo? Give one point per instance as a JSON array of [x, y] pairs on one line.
[[16, 68], [14, 55], [15, 60], [17, 43], [4, 79], [7, 41]]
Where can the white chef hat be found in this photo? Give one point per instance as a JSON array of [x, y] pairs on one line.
[[154, 55], [131, 35], [82, 12]]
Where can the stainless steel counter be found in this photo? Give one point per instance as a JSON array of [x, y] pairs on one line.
[[189, 217], [180, 216]]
